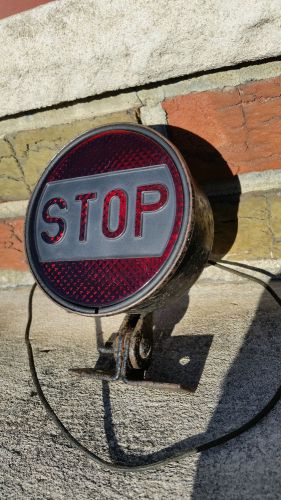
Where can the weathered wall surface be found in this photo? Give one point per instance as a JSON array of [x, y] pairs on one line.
[[243, 123], [226, 122], [227, 128], [66, 50]]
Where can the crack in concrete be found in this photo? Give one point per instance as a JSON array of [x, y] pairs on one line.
[[245, 125], [54, 146], [138, 117], [140, 99], [14, 237], [226, 108], [14, 155], [262, 99], [244, 217], [6, 157], [260, 161], [10, 177], [14, 233], [268, 223], [166, 114]]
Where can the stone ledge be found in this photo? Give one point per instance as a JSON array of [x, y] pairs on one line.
[[219, 80], [70, 113], [10, 278], [105, 49], [12, 209], [244, 183], [147, 99]]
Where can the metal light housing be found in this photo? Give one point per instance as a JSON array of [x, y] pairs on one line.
[[116, 223]]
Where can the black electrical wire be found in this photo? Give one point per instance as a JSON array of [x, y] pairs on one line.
[[175, 456]]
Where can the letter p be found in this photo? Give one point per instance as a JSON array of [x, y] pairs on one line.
[[142, 207]]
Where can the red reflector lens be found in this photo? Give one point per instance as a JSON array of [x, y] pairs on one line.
[[108, 219]]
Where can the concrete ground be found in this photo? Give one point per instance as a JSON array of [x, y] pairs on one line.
[[224, 339]]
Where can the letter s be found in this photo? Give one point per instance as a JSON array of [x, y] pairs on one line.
[[54, 220]]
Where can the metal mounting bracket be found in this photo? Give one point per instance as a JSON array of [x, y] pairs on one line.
[[131, 347]]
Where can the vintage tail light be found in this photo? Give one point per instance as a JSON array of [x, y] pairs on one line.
[[116, 223]]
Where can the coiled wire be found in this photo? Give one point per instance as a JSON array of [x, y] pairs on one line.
[[117, 466]]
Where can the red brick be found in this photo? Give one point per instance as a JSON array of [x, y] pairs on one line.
[[11, 245], [226, 132], [14, 7]]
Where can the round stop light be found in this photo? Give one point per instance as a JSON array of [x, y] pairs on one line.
[[116, 223]]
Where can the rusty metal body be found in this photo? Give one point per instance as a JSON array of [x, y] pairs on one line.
[[119, 200], [175, 243], [132, 349], [194, 256]]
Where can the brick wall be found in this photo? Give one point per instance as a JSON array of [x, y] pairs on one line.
[[242, 123], [226, 134]]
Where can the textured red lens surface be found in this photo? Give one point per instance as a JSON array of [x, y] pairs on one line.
[[122, 213], [101, 282], [57, 220], [84, 198]]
